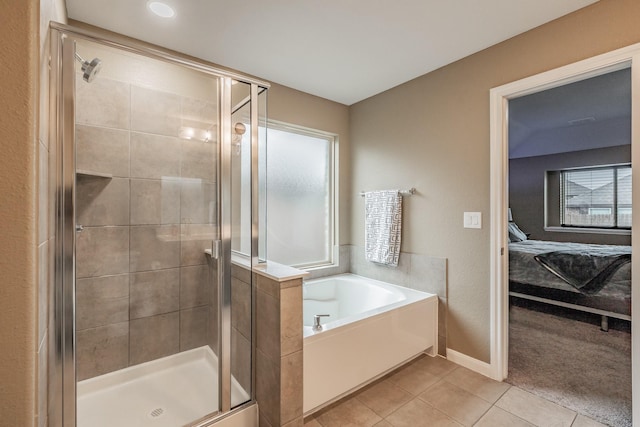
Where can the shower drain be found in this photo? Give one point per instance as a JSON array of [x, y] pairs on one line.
[[156, 413]]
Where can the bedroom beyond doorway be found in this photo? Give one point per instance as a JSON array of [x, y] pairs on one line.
[[501, 98], [569, 245]]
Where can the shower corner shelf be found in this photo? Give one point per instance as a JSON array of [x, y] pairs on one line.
[[91, 174]]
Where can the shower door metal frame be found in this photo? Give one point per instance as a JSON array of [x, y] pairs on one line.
[[62, 131], [62, 121], [224, 267]]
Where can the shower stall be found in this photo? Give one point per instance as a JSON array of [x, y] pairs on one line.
[[158, 172]]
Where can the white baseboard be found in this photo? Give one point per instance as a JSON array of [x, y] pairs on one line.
[[468, 362]]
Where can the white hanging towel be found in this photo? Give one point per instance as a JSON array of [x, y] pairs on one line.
[[382, 226]]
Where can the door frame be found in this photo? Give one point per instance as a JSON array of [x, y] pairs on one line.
[[499, 102]]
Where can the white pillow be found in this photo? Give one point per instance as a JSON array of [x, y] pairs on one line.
[[515, 234]]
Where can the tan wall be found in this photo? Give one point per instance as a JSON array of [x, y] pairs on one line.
[[18, 226], [432, 133], [299, 108]]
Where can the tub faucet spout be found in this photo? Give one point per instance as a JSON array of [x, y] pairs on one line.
[[316, 321]]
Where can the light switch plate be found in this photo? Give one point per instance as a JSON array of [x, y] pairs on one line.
[[473, 220]]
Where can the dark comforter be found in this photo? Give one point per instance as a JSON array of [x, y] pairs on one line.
[[555, 275]]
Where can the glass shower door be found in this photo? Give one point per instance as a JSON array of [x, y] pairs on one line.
[[147, 291], [156, 235]]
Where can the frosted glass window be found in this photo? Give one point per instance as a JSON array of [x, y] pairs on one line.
[[299, 197]]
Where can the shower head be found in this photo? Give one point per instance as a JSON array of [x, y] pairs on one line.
[[89, 69]]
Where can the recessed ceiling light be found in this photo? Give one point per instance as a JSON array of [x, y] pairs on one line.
[[161, 9]]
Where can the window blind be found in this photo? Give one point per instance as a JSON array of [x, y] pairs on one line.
[[596, 197]]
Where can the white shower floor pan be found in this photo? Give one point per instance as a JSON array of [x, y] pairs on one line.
[[168, 392]]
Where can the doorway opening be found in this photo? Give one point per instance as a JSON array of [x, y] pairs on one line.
[[570, 269], [504, 102]]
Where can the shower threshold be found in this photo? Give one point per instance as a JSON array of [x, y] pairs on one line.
[[167, 392]]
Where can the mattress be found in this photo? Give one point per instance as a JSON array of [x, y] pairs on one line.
[[530, 277]]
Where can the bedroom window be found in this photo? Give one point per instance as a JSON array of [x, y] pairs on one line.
[[596, 197], [301, 196]]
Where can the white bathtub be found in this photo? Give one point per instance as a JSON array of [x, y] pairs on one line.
[[373, 327]]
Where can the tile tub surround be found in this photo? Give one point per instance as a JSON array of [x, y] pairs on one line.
[[433, 391], [420, 272], [344, 265], [279, 345], [143, 280]]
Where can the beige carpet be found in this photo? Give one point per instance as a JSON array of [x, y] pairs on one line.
[[572, 363]]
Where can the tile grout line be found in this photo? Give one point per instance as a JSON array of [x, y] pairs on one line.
[[574, 418], [492, 404], [482, 416], [439, 410], [508, 412], [478, 396]]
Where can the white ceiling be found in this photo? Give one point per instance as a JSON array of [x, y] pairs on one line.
[[343, 50]]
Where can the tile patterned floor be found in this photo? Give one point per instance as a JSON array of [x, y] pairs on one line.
[[436, 392]]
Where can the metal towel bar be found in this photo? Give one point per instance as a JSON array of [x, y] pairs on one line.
[[408, 192]]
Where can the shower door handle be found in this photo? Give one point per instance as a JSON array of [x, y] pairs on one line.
[[215, 249], [79, 228]]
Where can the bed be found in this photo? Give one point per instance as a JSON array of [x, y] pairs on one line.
[[586, 277]]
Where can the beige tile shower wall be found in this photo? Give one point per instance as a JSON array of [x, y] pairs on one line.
[[143, 280], [156, 75], [279, 351], [241, 321]]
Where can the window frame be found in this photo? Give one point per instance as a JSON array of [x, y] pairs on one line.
[[615, 208], [333, 186]]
